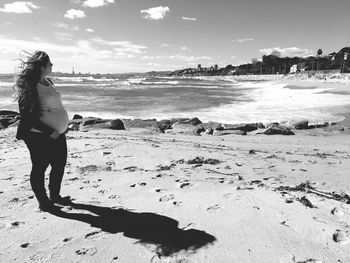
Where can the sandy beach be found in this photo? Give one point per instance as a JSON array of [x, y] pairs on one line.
[[140, 196]]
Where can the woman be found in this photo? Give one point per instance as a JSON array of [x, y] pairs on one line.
[[43, 124]]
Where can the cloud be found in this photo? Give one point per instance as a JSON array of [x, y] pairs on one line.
[[74, 13], [189, 58], [63, 36], [184, 48], [89, 30], [241, 40], [120, 47], [155, 13], [165, 45], [19, 7], [233, 57], [65, 26], [189, 18], [97, 3], [154, 64], [286, 52], [92, 50]]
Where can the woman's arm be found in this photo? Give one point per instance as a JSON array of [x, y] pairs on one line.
[[28, 117]]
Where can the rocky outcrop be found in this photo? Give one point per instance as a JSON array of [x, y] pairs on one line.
[[243, 127], [302, 125], [185, 128], [275, 128], [8, 118], [117, 124]]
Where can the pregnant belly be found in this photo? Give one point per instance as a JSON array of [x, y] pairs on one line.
[[56, 119]]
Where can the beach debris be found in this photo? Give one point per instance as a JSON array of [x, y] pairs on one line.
[[166, 198], [131, 168], [284, 223], [308, 188], [213, 208], [337, 212], [252, 152], [86, 251], [165, 167], [201, 160], [310, 260], [305, 201], [88, 168], [341, 236]]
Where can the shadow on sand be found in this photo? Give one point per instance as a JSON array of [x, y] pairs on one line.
[[148, 228]]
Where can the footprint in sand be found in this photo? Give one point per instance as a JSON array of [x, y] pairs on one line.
[[94, 235], [186, 185], [160, 190], [138, 184], [86, 251], [17, 223], [213, 208], [113, 196], [166, 198], [341, 237], [337, 212], [67, 239], [24, 245], [177, 203]]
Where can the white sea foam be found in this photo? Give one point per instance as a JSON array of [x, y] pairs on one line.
[[82, 79]]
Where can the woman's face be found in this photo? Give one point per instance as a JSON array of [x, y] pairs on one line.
[[47, 70]]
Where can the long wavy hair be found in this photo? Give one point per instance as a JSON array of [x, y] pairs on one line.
[[29, 74]]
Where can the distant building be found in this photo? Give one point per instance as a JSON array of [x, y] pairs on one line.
[[199, 67], [216, 67], [73, 71]]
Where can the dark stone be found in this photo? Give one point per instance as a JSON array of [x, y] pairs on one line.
[[77, 116], [243, 127], [193, 121], [6, 121], [117, 124], [8, 113], [259, 125], [91, 121], [302, 125], [165, 124]]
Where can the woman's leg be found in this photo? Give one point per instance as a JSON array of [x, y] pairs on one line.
[[37, 144], [58, 160]]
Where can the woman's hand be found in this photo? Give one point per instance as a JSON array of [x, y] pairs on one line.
[[54, 135]]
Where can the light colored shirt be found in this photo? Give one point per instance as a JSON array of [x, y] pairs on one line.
[[52, 111]]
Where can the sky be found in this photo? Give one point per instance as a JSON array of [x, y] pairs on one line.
[[118, 36]]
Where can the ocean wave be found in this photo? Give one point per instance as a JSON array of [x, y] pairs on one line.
[[145, 81], [84, 79], [6, 84]]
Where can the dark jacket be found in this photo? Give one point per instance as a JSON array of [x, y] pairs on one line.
[[29, 109]]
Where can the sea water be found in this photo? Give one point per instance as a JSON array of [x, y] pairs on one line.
[[209, 99]]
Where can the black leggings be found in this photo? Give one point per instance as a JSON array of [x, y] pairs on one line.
[[45, 151]]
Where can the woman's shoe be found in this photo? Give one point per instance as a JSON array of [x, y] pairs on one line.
[[61, 200]]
